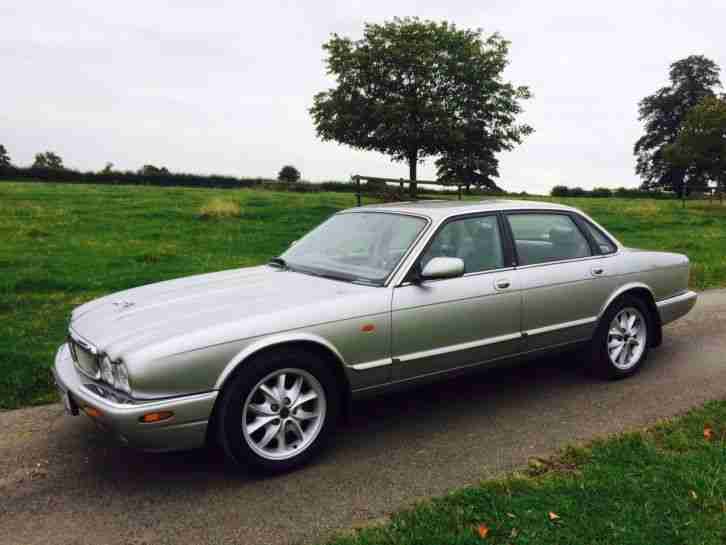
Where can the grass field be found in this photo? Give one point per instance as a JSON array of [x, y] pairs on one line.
[[64, 244], [664, 486]]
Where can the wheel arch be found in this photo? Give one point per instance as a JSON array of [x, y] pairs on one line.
[[308, 341], [645, 294]]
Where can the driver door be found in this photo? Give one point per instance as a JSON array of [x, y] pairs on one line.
[[439, 325]]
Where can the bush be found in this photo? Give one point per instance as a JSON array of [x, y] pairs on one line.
[[578, 192], [289, 174], [601, 192], [560, 191], [219, 208]]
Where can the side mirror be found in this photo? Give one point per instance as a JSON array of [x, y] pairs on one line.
[[443, 267]]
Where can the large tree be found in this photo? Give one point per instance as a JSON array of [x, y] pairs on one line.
[[467, 168], [701, 142], [4, 157], [289, 174], [48, 159], [413, 89], [691, 80]]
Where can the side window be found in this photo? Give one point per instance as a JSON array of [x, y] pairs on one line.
[[474, 240], [541, 238], [605, 245]]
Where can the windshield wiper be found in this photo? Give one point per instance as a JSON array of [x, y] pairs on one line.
[[278, 262]]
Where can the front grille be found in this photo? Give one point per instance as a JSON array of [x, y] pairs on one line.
[[85, 357]]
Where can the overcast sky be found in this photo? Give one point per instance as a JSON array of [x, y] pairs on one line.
[[224, 87]]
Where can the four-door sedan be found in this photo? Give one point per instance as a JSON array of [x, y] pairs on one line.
[[264, 359]]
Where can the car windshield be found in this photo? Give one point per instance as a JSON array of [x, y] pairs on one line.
[[360, 247]]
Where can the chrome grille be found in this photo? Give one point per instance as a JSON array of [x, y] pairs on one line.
[[84, 357]]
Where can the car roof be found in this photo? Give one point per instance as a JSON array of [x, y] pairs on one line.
[[437, 209]]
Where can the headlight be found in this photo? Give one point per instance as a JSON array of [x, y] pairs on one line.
[[106, 370], [115, 374], [121, 376]]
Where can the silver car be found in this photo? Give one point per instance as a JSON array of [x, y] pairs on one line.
[[263, 360]]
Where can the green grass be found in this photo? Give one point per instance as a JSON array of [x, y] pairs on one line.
[[62, 245], [663, 486]]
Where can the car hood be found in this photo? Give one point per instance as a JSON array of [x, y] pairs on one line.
[[199, 311]]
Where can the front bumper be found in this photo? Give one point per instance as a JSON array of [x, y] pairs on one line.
[[185, 430], [675, 307]]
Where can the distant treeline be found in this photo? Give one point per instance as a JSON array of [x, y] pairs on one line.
[[564, 191], [161, 177]]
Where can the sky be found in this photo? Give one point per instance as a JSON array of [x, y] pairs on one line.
[[225, 87]]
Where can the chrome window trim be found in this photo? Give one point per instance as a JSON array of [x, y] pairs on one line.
[[574, 260], [465, 275]]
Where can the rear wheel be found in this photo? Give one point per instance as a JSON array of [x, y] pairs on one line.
[[620, 344], [278, 410]]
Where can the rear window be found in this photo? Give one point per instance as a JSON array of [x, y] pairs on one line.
[[541, 238]]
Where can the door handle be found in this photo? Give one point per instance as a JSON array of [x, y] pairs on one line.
[[502, 284], [597, 271]]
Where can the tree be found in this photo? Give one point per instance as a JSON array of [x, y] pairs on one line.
[[701, 143], [475, 168], [289, 174], [108, 169], [4, 158], [560, 191], [151, 170], [692, 79], [48, 160], [413, 89]]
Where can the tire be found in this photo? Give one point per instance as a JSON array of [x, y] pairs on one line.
[[265, 427], [618, 352]]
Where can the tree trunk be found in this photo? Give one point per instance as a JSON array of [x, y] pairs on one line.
[[412, 166]]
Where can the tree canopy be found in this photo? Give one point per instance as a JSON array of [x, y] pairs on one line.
[[288, 173], [701, 143], [691, 80], [4, 157], [413, 89], [48, 160]]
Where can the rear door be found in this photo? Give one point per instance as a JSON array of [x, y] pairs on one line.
[[564, 275], [443, 324]]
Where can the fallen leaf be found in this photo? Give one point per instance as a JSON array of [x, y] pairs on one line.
[[707, 433], [553, 516], [694, 495], [482, 530], [514, 533], [511, 515]]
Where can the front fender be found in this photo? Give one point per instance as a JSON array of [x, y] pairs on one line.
[[273, 340]]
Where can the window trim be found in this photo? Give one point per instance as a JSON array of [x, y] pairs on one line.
[[574, 217], [587, 226], [507, 250]]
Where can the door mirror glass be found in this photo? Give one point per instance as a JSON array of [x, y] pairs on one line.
[[443, 267]]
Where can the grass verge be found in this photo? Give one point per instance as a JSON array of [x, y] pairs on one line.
[[665, 485]]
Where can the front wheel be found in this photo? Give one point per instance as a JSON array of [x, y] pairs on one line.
[[620, 344], [278, 410]]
